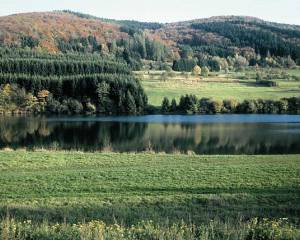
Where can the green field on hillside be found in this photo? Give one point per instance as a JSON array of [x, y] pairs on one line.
[[128, 188], [217, 86]]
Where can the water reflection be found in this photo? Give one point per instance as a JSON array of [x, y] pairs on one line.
[[117, 134]]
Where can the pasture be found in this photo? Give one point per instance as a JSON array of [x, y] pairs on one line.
[[234, 85], [129, 188]]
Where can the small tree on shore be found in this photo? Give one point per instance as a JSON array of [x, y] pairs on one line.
[[165, 106], [196, 71], [102, 91], [130, 103], [205, 71], [173, 107]]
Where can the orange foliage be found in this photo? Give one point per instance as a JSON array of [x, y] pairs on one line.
[[47, 27]]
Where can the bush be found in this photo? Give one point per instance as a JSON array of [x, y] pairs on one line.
[[204, 105], [90, 108], [248, 106], [205, 72], [294, 104], [71, 106], [230, 105], [215, 106], [53, 106], [196, 71]]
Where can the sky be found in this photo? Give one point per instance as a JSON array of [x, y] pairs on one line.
[[283, 11]]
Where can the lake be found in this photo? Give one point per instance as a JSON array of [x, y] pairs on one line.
[[203, 134]]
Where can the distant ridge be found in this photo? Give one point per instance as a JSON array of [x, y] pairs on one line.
[[220, 35]]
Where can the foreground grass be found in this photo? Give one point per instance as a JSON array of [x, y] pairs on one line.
[[264, 229], [223, 86], [129, 188]]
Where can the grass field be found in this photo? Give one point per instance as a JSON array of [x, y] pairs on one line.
[[150, 196], [222, 86], [133, 187]]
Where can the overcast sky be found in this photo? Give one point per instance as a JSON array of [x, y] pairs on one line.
[[284, 11]]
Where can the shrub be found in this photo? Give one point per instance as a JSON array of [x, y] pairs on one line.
[[75, 106], [204, 105], [196, 70], [53, 106], [71, 106], [215, 106], [90, 108], [247, 106], [230, 105]]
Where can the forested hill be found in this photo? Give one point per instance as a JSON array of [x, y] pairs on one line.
[[225, 36], [66, 31]]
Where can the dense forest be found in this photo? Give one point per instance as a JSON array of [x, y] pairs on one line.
[[68, 83], [264, 40]]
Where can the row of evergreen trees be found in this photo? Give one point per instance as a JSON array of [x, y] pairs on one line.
[[16, 52], [108, 85], [49, 67], [190, 104]]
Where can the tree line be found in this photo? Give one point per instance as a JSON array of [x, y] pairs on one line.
[[49, 67], [190, 57], [191, 104]]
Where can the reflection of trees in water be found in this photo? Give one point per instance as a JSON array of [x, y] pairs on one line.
[[18, 132], [229, 138], [92, 136], [247, 139], [15, 130], [205, 138]]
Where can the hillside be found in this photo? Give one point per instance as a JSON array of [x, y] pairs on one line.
[[46, 29], [64, 31]]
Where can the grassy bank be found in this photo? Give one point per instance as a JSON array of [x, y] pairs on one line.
[[129, 188], [219, 86]]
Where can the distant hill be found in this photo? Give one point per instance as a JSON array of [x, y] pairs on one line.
[[221, 35], [217, 36], [46, 29]]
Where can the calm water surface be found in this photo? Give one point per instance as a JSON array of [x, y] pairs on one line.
[[205, 134]]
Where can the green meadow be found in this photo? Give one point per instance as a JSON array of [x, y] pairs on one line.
[[75, 195], [220, 86], [129, 188]]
